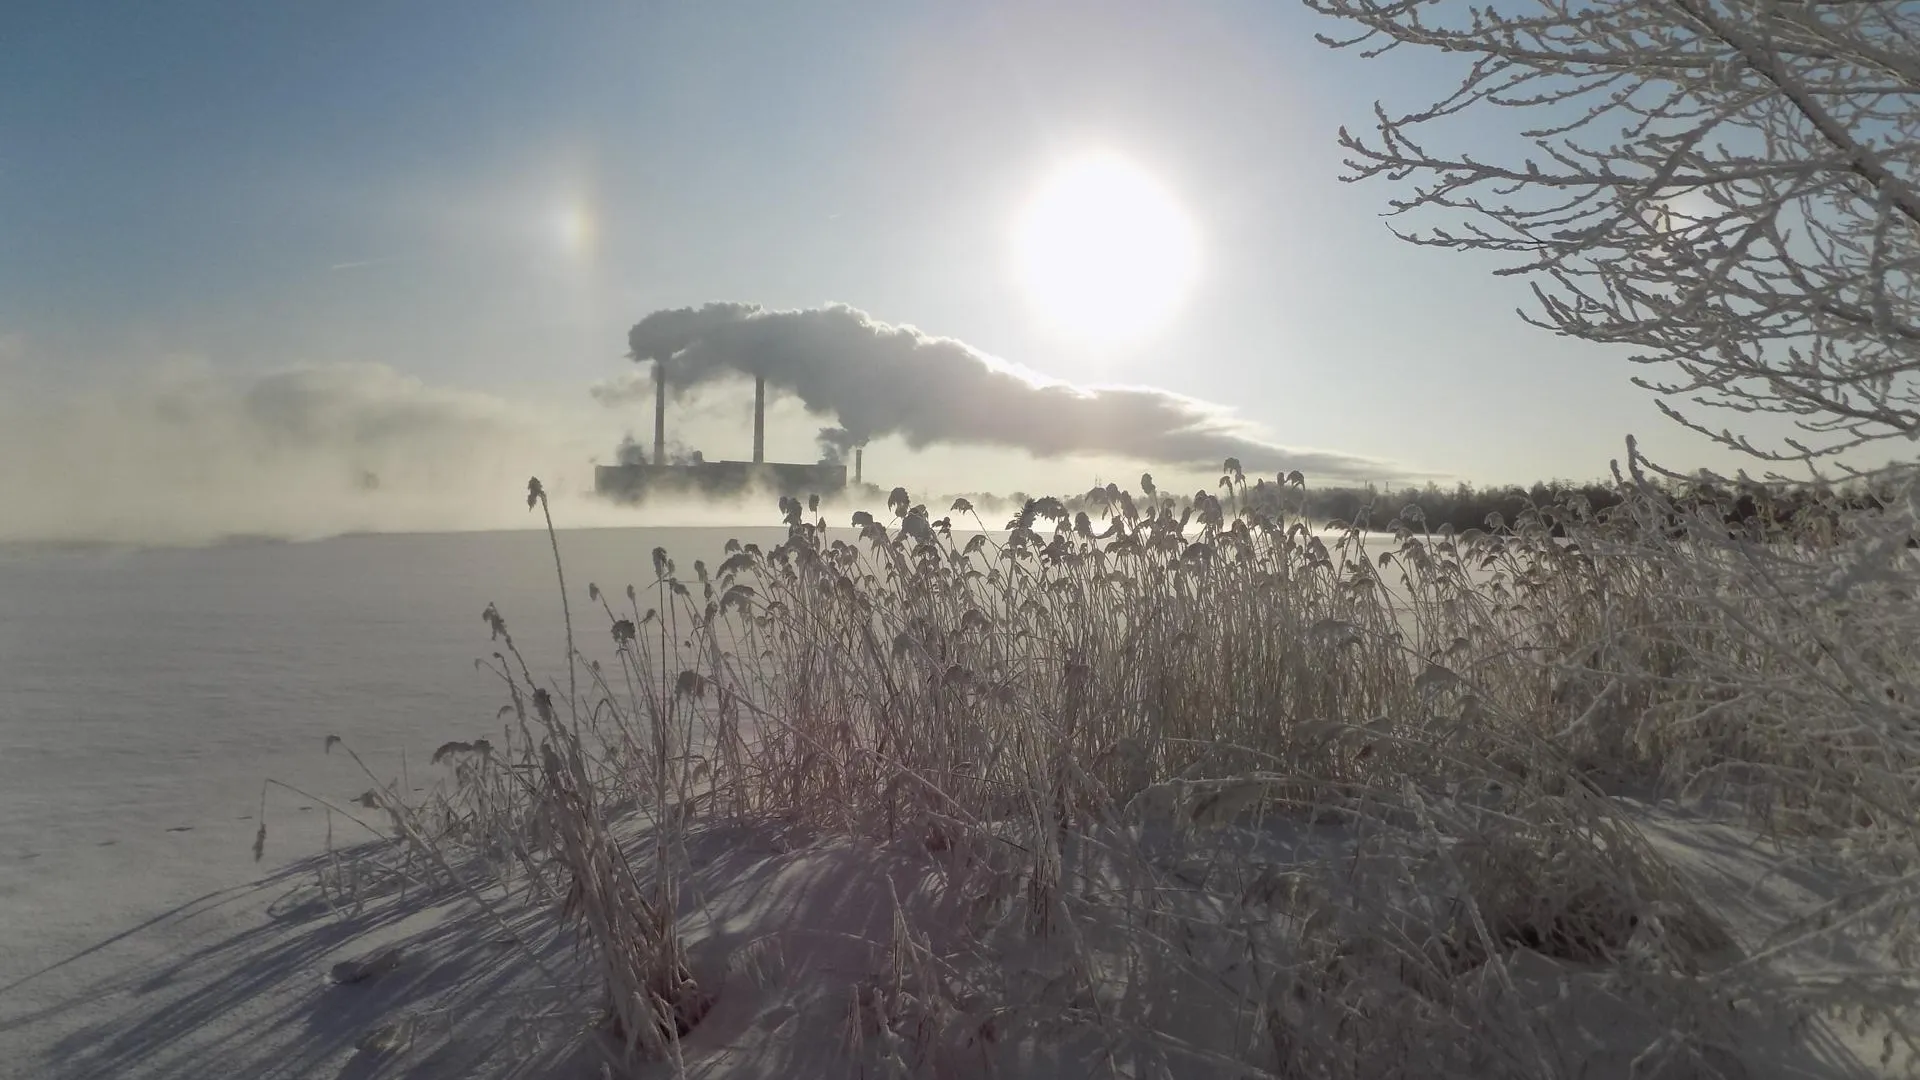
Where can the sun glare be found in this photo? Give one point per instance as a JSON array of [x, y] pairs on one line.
[[1104, 252], [575, 228]]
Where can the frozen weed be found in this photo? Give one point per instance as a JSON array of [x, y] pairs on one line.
[[1256, 799]]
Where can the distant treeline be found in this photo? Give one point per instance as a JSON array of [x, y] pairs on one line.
[[1433, 507], [1751, 508], [1744, 507]]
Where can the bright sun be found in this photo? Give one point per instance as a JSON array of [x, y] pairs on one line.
[[1104, 251]]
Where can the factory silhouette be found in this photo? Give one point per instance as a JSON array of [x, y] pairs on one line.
[[878, 380], [634, 481]]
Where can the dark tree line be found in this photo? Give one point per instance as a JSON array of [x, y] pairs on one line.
[[1746, 508], [1749, 508]]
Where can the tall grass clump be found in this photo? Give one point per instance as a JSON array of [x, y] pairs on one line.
[[1776, 663], [1218, 793]]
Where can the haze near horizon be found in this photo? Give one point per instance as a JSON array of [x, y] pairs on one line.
[[280, 251]]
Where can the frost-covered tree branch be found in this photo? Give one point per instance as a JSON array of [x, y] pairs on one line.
[[1727, 187]]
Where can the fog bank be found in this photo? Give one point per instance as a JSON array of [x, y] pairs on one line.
[[187, 454]]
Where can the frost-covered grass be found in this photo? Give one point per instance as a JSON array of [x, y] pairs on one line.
[[1217, 794]]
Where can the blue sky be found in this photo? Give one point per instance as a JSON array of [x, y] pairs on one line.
[[265, 185]]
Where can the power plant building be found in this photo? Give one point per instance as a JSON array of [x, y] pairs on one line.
[[634, 482]]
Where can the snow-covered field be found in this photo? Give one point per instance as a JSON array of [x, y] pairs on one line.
[[145, 696]]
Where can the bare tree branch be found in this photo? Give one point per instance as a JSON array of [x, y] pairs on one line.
[[1730, 188]]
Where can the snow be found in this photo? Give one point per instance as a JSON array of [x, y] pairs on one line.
[[144, 697]]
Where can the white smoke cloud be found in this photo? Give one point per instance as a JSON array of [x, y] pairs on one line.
[[878, 380], [622, 389], [186, 453]]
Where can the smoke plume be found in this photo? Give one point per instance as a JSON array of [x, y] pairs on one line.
[[878, 380]]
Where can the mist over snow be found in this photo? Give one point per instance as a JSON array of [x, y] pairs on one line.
[[185, 453], [877, 380]]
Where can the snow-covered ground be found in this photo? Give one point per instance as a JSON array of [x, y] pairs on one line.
[[145, 696]]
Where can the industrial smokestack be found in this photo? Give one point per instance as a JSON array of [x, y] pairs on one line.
[[759, 419], [858, 453], [659, 412]]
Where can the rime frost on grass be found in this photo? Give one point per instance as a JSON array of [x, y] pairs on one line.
[[1207, 793], [1132, 788]]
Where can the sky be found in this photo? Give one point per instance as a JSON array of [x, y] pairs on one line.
[[478, 200]]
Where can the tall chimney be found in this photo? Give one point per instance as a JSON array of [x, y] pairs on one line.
[[858, 453], [659, 411], [759, 419]]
